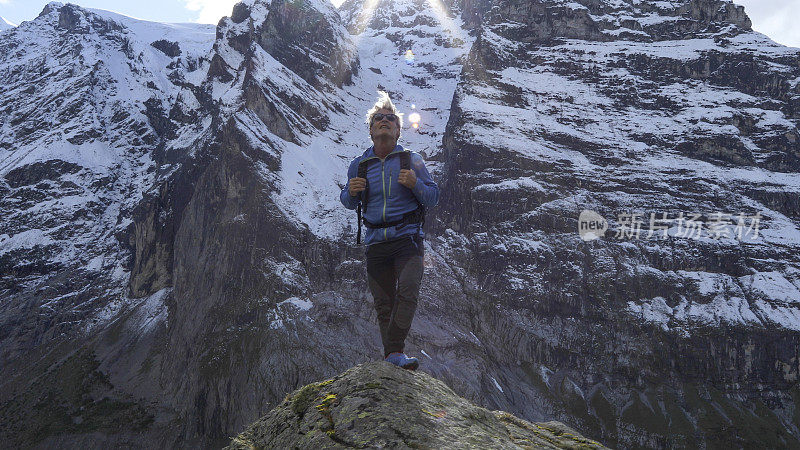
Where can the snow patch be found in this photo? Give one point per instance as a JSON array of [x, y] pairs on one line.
[[301, 304], [773, 287], [496, 384], [150, 312]]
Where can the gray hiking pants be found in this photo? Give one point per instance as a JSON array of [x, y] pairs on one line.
[[394, 273]]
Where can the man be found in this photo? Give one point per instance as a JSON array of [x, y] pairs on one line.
[[395, 188]]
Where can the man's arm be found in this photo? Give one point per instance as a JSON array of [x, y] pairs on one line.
[[426, 190], [348, 200]]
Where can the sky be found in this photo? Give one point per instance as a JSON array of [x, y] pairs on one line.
[[775, 18]]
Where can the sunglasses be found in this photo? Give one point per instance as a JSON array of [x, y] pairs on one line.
[[377, 117]]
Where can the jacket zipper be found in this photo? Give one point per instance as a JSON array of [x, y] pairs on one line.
[[383, 191]]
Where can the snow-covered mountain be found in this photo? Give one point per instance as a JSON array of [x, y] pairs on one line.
[[94, 105], [174, 248]]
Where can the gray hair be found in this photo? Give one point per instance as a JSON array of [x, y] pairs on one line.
[[384, 102]]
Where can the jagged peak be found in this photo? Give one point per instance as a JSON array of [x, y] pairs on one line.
[[50, 7], [306, 37], [257, 10], [77, 18], [56, 19], [376, 405], [360, 15]]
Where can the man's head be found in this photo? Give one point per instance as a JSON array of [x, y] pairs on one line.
[[383, 119]]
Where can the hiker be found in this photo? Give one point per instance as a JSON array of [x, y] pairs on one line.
[[393, 187]]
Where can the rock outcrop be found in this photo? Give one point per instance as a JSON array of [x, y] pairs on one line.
[[378, 405]]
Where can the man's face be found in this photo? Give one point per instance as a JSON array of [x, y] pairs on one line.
[[385, 127]]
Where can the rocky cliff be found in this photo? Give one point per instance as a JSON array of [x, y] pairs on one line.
[[174, 258], [377, 405]]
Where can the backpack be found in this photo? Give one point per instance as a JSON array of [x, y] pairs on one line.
[[416, 216]]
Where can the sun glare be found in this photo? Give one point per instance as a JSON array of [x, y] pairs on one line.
[[365, 16], [444, 20]]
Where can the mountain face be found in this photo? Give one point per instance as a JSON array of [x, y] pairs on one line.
[[95, 106], [573, 117], [174, 258]]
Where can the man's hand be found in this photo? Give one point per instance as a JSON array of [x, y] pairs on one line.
[[357, 185], [407, 178]]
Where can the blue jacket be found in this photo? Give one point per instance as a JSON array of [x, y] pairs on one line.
[[388, 199]]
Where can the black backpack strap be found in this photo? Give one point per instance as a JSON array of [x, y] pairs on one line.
[[415, 216], [362, 173], [419, 214]]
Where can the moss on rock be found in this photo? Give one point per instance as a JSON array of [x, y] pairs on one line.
[[379, 405]]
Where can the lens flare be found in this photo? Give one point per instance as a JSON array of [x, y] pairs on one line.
[[414, 119], [409, 57]]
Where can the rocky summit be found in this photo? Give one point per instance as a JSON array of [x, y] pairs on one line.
[[378, 405], [616, 246]]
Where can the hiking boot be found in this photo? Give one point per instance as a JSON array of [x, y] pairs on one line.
[[400, 359]]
